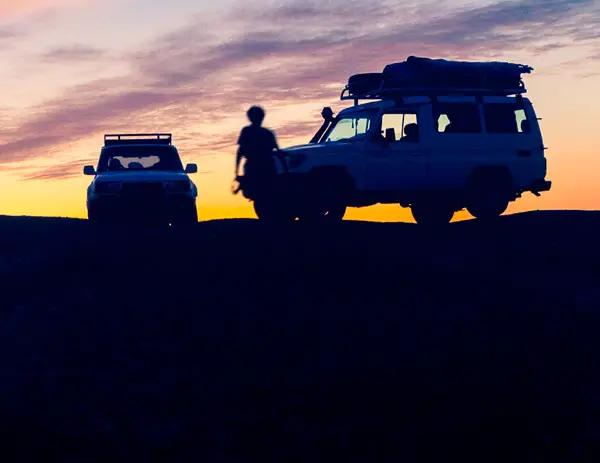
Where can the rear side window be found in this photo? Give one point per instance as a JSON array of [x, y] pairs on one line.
[[505, 118], [457, 118], [399, 126]]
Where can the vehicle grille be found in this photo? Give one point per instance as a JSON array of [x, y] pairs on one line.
[[143, 190]]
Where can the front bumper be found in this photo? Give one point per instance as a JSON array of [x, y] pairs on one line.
[[125, 207]]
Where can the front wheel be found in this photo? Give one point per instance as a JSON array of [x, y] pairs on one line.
[[330, 214], [98, 217], [431, 213], [186, 216], [272, 211]]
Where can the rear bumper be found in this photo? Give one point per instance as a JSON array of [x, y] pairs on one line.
[[540, 185]]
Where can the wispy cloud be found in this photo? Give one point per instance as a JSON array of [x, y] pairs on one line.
[[58, 172], [10, 8], [73, 53], [284, 56]]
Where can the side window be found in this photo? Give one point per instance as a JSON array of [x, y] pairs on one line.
[[349, 127], [505, 118], [457, 118], [400, 127]]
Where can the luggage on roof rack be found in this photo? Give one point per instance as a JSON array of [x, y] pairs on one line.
[[426, 76], [137, 139]]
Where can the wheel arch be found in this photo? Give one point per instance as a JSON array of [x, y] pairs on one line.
[[495, 174]]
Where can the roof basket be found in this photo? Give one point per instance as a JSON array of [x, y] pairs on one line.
[[396, 93], [111, 139], [437, 77]]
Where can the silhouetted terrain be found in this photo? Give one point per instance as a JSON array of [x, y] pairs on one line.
[[358, 342]]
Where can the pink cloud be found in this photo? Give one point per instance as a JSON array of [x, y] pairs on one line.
[[283, 56], [20, 7]]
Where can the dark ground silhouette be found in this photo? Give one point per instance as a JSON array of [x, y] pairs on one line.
[[353, 342]]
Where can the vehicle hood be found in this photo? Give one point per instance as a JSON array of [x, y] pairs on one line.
[[150, 176], [318, 147]]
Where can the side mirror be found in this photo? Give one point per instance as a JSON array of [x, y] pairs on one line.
[[89, 170], [191, 169]]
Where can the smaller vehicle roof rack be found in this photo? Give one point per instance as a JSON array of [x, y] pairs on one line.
[[111, 139]]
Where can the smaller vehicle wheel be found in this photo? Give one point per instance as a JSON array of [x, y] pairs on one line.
[[431, 213], [98, 218], [185, 216]]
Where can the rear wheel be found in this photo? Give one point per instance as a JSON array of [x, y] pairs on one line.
[[488, 195]]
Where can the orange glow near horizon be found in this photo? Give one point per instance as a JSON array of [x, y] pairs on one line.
[[71, 86]]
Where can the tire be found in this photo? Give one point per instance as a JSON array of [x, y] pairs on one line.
[[272, 212], [431, 213], [315, 214], [488, 195], [186, 216], [96, 217], [324, 196]]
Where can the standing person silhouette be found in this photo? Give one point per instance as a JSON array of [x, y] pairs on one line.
[[259, 146]]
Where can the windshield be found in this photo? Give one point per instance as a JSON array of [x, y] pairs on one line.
[[124, 158], [351, 128]]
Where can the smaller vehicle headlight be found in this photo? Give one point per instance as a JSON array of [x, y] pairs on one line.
[[178, 186]]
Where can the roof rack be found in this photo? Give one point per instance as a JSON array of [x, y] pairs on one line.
[[394, 93], [111, 139]]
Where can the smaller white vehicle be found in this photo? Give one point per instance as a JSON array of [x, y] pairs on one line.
[[141, 177], [439, 137]]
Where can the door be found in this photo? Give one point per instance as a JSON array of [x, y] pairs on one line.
[[394, 158]]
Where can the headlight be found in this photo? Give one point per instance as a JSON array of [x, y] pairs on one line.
[[179, 186], [107, 187]]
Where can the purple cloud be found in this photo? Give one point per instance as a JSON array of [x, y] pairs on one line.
[[73, 53], [64, 170], [286, 55]]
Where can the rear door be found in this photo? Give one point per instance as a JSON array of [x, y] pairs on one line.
[[394, 155], [514, 138]]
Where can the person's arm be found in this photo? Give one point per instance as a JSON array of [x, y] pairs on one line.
[[279, 154], [238, 160], [240, 152]]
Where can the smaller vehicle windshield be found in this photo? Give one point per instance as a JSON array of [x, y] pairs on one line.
[[125, 158], [351, 128]]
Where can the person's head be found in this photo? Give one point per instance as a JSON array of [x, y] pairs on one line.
[[411, 130], [256, 115]]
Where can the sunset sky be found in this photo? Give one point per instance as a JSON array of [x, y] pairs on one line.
[[73, 70]]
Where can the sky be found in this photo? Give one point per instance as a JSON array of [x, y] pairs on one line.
[[73, 70]]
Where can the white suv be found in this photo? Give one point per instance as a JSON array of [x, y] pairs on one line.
[[431, 146], [140, 176]]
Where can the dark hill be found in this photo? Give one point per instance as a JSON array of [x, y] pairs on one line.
[[230, 341]]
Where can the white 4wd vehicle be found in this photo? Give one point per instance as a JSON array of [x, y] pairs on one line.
[[442, 136], [140, 176]]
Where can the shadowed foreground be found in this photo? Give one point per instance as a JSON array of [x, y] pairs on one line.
[[359, 342]]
